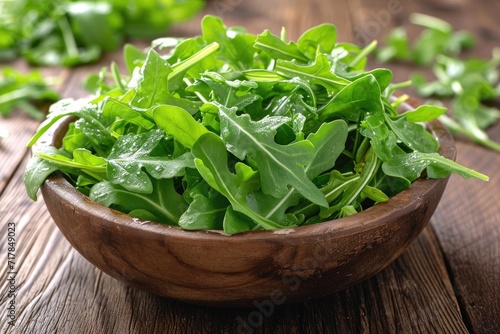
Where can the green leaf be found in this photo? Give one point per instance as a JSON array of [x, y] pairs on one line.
[[280, 166], [329, 142], [75, 139], [351, 194], [143, 215], [205, 213], [63, 108], [237, 51], [235, 222], [230, 93], [151, 81], [91, 123], [178, 123], [413, 135], [95, 125], [382, 75], [82, 160], [397, 46], [37, 170], [116, 108], [389, 185], [23, 91], [95, 24], [383, 141], [163, 202], [354, 100], [374, 194], [85, 157], [323, 36], [411, 165], [278, 49], [424, 113], [333, 189], [132, 154], [211, 161], [318, 73], [133, 57]]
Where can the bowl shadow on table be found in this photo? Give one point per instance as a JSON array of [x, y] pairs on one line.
[[272, 267]]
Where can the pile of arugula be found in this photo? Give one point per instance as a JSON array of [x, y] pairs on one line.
[[235, 131], [24, 91], [70, 32], [472, 84]]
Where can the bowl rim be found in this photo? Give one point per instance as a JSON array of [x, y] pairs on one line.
[[369, 219]]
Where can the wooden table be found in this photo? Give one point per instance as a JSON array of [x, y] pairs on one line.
[[448, 281]]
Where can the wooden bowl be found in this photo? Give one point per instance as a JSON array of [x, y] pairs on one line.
[[280, 266]]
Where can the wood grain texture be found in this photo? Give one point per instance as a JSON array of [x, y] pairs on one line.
[[446, 282], [19, 130], [468, 225]]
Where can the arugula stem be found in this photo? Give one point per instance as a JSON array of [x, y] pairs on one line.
[[283, 200], [363, 148], [363, 53], [68, 37], [357, 138], [116, 75], [311, 209], [399, 100], [400, 85], [431, 22], [348, 154], [18, 94], [457, 128], [283, 34], [372, 163], [178, 69]]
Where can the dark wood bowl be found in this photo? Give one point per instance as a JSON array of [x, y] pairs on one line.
[[209, 268]]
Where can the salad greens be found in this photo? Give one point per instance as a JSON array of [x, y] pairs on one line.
[[70, 32], [472, 84], [26, 91], [239, 132], [437, 38]]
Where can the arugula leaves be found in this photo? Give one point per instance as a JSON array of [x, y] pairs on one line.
[[280, 165], [436, 38], [471, 84], [24, 91], [211, 161], [162, 204], [70, 32], [241, 132]]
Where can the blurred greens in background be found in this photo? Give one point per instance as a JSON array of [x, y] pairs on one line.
[[472, 86], [69, 33], [24, 91]]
